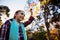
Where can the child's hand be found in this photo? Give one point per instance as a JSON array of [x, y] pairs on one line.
[[31, 12]]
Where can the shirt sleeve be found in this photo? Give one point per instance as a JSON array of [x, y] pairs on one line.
[[4, 28], [29, 21]]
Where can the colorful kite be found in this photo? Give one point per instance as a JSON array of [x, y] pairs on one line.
[[34, 5]]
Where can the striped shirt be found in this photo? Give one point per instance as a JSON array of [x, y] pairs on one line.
[[5, 29]]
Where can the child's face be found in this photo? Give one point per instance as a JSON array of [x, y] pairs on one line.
[[20, 16]]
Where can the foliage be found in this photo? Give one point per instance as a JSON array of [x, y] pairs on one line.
[[39, 36]]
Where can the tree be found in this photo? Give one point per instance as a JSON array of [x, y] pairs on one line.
[[3, 9]]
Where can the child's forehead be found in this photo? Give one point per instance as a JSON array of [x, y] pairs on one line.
[[21, 12]]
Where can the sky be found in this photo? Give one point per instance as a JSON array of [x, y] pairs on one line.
[[13, 5]]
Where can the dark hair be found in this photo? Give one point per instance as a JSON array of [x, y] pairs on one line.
[[17, 12]]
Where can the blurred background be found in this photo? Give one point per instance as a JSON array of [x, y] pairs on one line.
[[45, 26]]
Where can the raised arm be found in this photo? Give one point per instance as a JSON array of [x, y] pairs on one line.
[[30, 19]]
